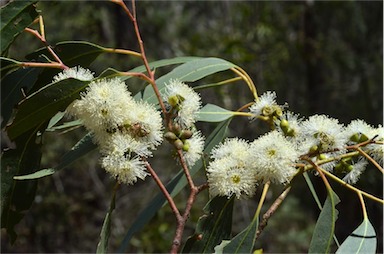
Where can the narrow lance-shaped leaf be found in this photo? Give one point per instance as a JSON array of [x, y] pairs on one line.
[[15, 17], [13, 86], [361, 241], [84, 146], [325, 226], [212, 227], [188, 72], [174, 187], [213, 113], [102, 246], [44, 104], [17, 197], [244, 241]]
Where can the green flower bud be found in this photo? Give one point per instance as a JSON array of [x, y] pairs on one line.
[[355, 137], [186, 146], [313, 149], [321, 156], [267, 111], [173, 100]]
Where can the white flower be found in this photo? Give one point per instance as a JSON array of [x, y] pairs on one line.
[[231, 171], [183, 99], [358, 168], [144, 123], [194, 148], [376, 150], [125, 170], [227, 177], [123, 144], [265, 106], [234, 147], [273, 158], [74, 72], [325, 132], [358, 131], [103, 106]]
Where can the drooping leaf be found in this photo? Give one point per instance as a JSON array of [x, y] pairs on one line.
[[13, 86], [7, 65], [212, 227], [17, 197], [325, 225], [102, 246], [213, 113], [84, 146], [71, 53], [44, 104], [188, 72], [15, 17], [174, 186], [316, 197], [134, 88], [244, 241], [361, 241]]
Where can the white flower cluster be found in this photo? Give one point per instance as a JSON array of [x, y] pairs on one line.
[[184, 103], [238, 166], [124, 129]]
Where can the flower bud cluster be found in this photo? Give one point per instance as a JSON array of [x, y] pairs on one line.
[[184, 103], [125, 130]]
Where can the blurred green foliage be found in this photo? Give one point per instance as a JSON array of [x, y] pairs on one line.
[[320, 57]]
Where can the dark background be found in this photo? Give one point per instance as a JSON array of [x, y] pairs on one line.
[[319, 57]]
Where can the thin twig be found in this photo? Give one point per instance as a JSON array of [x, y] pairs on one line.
[[163, 190], [271, 211]]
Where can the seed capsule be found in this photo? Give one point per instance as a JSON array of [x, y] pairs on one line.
[[185, 134], [178, 144], [170, 136]]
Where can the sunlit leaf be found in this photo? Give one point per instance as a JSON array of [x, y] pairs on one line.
[[213, 113], [15, 17], [188, 72], [212, 227], [325, 226], [361, 241]]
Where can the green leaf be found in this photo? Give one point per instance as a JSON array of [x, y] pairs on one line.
[[15, 16], [212, 227], [102, 246], [213, 113], [244, 241], [44, 104], [12, 87], [17, 197], [72, 53], [177, 183], [188, 72], [84, 146], [325, 226], [7, 65], [134, 88], [362, 240]]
